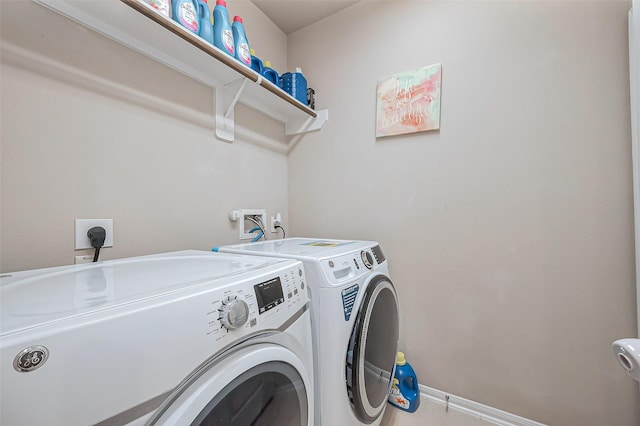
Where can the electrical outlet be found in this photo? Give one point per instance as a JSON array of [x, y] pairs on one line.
[[242, 214], [83, 225], [277, 220]]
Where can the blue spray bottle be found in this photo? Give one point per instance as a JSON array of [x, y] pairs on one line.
[[404, 393], [243, 54], [206, 29], [222, 34], [185, 12]]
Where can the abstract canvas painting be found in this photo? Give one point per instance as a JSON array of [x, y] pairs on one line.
[[409, 102]]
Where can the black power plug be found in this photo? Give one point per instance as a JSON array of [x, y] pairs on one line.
[[97, 235]]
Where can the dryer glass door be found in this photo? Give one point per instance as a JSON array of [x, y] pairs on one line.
[[261, 385], [371, 355]]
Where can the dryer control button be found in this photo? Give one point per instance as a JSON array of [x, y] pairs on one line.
[[367, 259]]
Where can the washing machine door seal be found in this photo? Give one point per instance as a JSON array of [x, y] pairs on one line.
[[263, 384], [371, 355]]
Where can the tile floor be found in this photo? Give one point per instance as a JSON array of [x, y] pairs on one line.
[[430, 414]]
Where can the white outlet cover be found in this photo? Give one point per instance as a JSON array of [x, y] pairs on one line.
[[83, 225], [85, 258]]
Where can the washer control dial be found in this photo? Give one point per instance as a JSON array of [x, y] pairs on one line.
[[367, 259], [233, 312]]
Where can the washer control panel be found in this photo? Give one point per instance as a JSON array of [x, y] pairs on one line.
[[267, 303]]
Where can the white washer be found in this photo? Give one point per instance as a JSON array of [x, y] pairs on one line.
[[180, 338], [355, 320]]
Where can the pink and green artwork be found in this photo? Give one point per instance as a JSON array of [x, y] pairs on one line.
[[409, 102]]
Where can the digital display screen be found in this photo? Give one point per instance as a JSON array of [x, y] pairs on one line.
[[269, 294]]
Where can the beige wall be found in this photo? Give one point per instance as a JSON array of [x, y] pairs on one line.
[[264, 37], [509, 231], [90, 130]]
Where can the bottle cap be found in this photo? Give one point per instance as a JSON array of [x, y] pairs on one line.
[[400, 359], [237, 19], [267, 64], [221, 3]]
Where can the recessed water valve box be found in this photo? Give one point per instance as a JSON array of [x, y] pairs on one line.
[[249, 219]]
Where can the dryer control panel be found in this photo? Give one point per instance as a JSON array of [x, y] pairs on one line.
[[265, 303], [350, 266]]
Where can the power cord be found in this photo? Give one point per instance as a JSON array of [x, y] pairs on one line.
[[284, 234], [97, 235]]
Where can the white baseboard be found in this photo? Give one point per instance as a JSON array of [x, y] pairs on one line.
[[475, 409]]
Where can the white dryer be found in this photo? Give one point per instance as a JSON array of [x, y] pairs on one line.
[[355, 320], [184, 338]]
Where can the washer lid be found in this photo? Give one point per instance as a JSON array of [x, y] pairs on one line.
[[33, 298], [301, 248]]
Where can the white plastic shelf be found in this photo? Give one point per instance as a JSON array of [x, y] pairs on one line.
[[136, 25]]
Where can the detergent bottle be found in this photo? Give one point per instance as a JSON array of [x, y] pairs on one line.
[[222, 34], [270, 74], [256, 63], [404, 393], [162, 6], [185, 12], [295, 84], [206, 29], [243, 54]]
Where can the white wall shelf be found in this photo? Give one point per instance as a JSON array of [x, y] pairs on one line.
[[136, 25]]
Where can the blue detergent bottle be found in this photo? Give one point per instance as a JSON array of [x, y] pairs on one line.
[[256, 63], [185, 13], [222, 34], [270, 74], [243, 54], [295, 84], [206, 29], [404, 392]]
